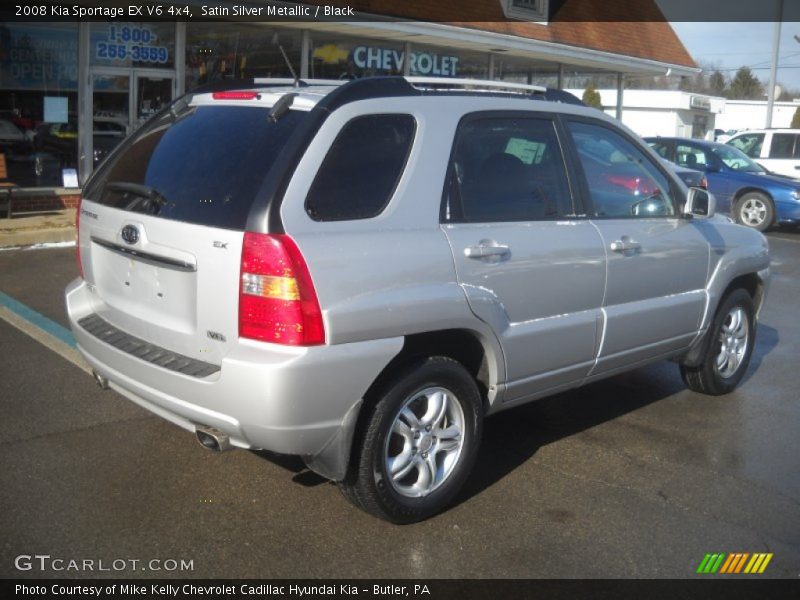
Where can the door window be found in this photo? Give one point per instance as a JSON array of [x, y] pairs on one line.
[[749, 143], [691, 157], [507, 169], [621, 179]]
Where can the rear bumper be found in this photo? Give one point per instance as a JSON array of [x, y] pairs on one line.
[[300, 401]]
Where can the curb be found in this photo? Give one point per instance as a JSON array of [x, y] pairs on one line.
[[37, 236]]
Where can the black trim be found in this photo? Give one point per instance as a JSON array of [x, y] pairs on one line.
[[146, 257], [138, 348]]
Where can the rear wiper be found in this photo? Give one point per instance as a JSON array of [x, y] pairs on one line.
[[281, 107], [153, 199]]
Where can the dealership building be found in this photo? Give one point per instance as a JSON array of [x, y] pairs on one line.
[[100, 79]]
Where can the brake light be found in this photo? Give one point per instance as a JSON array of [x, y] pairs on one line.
[[234, 95], [704, 183], [277, 300], [78, 238]]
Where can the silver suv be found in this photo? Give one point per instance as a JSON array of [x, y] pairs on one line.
[[359, 274]]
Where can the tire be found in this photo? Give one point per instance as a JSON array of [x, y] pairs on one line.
[[733, 336], [755, 210], [425, 426]]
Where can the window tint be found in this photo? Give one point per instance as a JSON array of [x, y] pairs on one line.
[[691, 157], [507, 169], [784, 146], [362, 168], [749, 143], [204, 166], [622, 180]]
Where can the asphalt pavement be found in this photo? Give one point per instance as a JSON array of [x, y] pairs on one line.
[[634, 476]]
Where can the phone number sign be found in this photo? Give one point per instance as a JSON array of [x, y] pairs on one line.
[[129, 42]]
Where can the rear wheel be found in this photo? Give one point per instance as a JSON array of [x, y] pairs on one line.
[[755, 210], [420, 441], [733, 335]]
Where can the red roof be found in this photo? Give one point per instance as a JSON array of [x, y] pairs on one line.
[[628, 27]]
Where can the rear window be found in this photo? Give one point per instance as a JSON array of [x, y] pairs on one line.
[[361, 170], [204, 166]]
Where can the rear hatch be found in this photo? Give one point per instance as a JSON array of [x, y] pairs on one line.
[[162, 221]]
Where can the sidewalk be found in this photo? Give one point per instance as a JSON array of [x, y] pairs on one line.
[[27, 230]]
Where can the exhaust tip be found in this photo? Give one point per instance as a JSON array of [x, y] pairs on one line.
[[101, 381], [212, 439]]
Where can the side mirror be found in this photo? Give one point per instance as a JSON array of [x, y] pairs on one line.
[[700, 203], [712, 169]]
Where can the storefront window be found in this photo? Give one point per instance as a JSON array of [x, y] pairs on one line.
[[438, 61], [217, 51], [142, 45], [38, 92], [343, 57]]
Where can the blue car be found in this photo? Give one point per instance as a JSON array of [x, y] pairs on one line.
[[746, 190]]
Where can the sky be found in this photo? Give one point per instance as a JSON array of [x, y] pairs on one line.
[[732, 45]]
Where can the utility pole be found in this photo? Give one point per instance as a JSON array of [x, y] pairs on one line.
[[773, 72]]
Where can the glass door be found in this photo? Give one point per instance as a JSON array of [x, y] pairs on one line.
[[152, 93], [111, 114], [121, 100]]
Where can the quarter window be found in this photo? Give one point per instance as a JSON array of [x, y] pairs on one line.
[[507, 169], [622, 180], [784, 145], [362, 168]]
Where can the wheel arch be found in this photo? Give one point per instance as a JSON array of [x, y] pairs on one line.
[[754, 285], [468, 347]]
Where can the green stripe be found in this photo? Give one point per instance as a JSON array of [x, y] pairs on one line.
[[701, 568], [719, 563]]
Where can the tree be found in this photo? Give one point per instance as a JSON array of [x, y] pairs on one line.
[[745, 86], [591, 97], [796, 119], [716, 83]]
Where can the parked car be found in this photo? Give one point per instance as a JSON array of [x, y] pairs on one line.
[[753, 197], [61, 139], [358, 274], [12, 139], [691, 177], [777, 150]]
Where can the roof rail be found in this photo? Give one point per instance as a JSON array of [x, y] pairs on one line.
[[298, 82], [447, 83]]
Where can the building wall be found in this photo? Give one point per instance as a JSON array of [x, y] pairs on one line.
[[662, 112], [752, 114]]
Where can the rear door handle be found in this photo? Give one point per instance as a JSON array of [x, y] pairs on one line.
[[486, 250], [625, 245]]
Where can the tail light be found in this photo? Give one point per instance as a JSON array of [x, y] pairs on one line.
[[277, 300], [78, 238], [704, 182]]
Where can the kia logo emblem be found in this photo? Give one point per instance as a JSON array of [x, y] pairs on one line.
[[130, 234]]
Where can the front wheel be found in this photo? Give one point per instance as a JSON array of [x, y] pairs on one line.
[[733, 335], [755, 210], [419, 444]]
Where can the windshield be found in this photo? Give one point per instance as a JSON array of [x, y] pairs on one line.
[[736, 159]]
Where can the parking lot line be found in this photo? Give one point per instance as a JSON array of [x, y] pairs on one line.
[[45, 331]]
